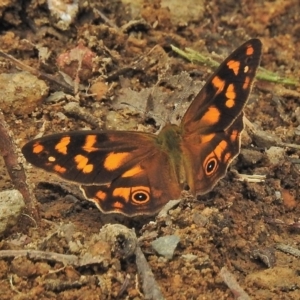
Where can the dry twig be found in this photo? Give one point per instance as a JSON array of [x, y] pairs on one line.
[[150, 287], [65, 259], [37, 73], [15, 169], [288, 249], [233, 285]]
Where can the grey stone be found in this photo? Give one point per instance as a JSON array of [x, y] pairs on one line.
[[11, 206], [165, 246]]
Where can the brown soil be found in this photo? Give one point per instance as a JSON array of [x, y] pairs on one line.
[[237, 225]]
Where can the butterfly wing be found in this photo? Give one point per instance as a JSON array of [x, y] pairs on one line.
[[207, 162], [224, 95], [213, 123], [117, 170]]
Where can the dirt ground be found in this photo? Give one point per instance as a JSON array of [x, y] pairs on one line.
[[251, 228]]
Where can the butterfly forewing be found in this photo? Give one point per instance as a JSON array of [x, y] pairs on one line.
[[90, 157], [224, 95], [214, 121]]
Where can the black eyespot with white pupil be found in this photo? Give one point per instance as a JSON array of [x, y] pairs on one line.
[[211, 166], [140, 197]]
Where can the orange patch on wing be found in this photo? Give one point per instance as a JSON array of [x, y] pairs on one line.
[[123, 193], [118, 205], [211, 117], [37, 148], [250, 50], [101, 195], [229, 103], [246, 83], [220, 149], [227, 157], [234, 136], [90, 141], [218, 83], [59, 169], [234, 65], [82, 164], [231, 96], [132, 172], [207, 138], [114, 160], [61, 146]]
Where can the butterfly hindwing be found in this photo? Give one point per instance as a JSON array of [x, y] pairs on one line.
[[211, 158], [144, 191]]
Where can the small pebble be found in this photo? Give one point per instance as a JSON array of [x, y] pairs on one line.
[[21, 92], [275, 155], [166, 245], [11, 206]]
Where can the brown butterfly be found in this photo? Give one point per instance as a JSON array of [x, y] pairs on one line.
[[136, 173]]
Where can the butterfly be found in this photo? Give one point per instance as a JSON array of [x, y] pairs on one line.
[[137, 173]]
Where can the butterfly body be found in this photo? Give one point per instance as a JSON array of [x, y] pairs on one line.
[[136, 173]]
